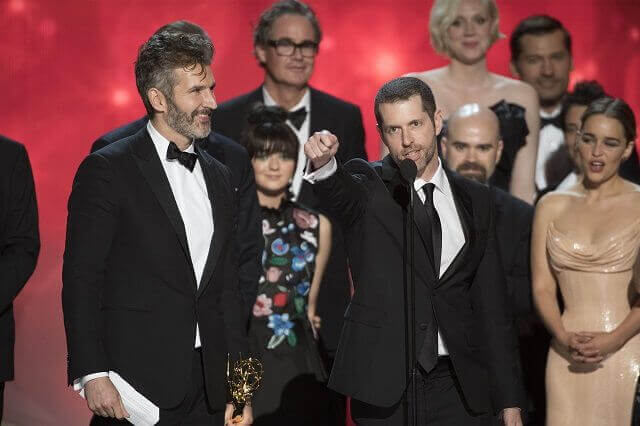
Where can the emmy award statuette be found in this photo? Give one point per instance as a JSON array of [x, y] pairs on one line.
[[243, 377]]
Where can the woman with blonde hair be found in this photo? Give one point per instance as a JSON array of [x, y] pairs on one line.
[[463, 31]]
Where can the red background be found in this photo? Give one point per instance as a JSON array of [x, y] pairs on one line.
[[66, 77]]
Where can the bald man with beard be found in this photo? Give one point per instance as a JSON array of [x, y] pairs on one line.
[[472, 147]]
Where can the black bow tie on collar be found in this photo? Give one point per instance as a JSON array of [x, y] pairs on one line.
[[297, 117], [554, 121], [187, 159]]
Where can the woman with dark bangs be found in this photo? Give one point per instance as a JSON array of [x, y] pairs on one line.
[[297, 241]]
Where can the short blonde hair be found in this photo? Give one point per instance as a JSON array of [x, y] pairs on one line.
[[443, 13]]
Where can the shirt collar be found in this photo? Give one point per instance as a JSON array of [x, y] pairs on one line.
[[551, 114], [161, 143], [304, 102], [439, 179]]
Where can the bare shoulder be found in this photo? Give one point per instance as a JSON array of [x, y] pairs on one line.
[[516, 91], [631, 197], [430, 76], [553, 204]]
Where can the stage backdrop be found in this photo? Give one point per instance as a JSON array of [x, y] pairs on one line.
[[66, 77]]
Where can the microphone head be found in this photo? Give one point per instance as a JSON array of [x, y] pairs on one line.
[[408, 170]]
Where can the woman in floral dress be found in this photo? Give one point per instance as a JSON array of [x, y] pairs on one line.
[[297, 242]]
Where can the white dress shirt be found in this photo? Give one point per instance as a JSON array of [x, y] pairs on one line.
[[302, 134], [570, 180], [549, 140], [190, 192], [452, 234]]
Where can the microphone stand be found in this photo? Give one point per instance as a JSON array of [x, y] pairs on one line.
[[412, 298], [408, 171]]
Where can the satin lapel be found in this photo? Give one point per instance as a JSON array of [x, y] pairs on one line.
[[398, 191], [220, 211], [213, 147], [465, 213], [147, 159], [319, 120]]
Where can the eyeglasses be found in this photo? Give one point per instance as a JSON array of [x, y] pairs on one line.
[[286, 47]]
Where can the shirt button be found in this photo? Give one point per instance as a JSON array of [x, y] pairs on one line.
[[423, 325]]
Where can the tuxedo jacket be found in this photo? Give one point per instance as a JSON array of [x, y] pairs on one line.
[[469, 300], [19, 240], [130, 297], [345, 121], [514, 219], [232, 155]]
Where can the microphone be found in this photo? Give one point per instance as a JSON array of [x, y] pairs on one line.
[[408, 170]]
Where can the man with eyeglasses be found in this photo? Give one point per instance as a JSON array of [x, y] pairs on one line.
[[286, 40]]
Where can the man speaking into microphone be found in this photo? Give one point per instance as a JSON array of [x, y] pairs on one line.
[[466, 369]]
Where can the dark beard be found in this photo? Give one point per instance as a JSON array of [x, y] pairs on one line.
[[479, 175], [185, 123]]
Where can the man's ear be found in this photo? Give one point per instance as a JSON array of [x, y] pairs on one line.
[[514, 70], [260, 53], [443, 147], [157, 100], [438, 120], [499, 151]]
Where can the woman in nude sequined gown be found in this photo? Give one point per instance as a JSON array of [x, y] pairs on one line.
[[586, 241]]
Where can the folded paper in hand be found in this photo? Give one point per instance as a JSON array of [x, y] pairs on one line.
[[142, 412]]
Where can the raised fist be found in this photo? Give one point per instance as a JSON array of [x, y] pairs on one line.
[[321, 148]]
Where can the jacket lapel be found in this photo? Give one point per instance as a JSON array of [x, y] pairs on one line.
[[147, 159], [221, 217], [319, 120], [465, 213], [398, 190]]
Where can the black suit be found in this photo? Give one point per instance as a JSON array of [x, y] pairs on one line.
[[345, 121], [19, 242], [249, 236], [469, 300], [129, 295], [514, 219]]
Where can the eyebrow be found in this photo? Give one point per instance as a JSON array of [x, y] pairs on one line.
[[201, 87]]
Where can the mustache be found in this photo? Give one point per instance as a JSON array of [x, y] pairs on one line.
[[207, 111], [473, 171], [472, 167]]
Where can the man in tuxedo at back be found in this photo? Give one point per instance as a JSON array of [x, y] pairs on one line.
[[150, 274], [286, 41], [466, 366], [541, 55], [19, 243], [472, 147], [234, 156]]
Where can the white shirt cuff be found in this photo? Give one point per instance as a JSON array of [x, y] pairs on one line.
[[322, 173], [78, 384]]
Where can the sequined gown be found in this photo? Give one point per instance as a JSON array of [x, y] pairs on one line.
[[596, 283]]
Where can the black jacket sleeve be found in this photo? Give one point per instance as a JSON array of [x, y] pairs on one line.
[[91, 225], [249, 238], [489, 295], [21, 244]]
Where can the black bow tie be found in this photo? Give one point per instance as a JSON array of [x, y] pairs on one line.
[[187, 159], [554, 121], [297, 117]]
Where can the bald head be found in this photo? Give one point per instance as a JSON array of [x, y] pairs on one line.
[[473, 146]]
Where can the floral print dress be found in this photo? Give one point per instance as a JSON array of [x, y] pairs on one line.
[[280, 333]]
